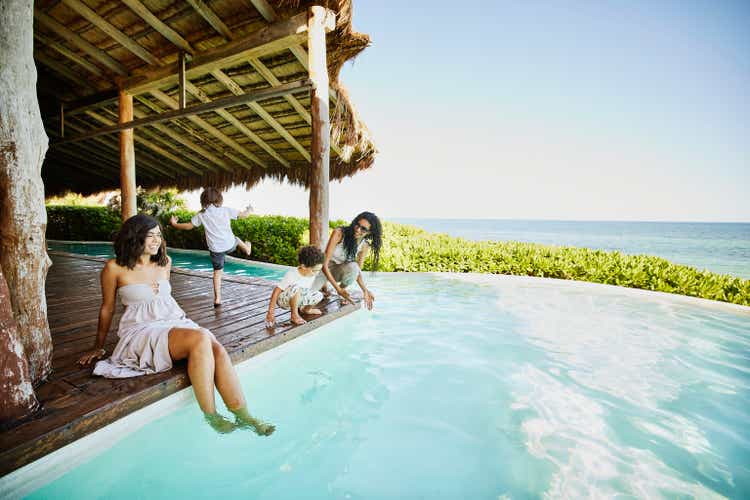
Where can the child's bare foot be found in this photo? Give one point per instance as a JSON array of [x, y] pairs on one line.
[[246, 247], [312, 311], [298, 321]]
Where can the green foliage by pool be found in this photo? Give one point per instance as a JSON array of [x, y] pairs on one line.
[[407, 248]]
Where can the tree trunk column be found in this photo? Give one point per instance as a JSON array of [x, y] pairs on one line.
[[319, 21], [127, 159], [17, 398], [23, 217]]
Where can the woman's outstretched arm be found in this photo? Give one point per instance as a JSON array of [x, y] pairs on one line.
[[106, 311], [369, 298], [336, 236]]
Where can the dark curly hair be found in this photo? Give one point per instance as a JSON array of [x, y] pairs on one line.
[[374, 237], [130, 241], [310, 256]]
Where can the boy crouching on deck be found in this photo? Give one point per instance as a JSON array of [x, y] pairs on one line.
[[293, 291]]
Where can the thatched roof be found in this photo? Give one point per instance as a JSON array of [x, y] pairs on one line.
[[85, 50]]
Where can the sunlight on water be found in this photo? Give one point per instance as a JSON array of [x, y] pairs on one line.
[[470, 387]]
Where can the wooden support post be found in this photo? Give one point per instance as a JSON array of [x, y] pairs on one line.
[[182, 99], [319, 21], [62, 119], [127, 159]]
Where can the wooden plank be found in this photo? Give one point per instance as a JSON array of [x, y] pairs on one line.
[[74, 39], [64, 51], [321, 126], [127, 159], [273, 38], [298, 86], [104, 25], [200, 122], [258, 109], [63, 70], [211, 18], [158, 25], [203, 97]]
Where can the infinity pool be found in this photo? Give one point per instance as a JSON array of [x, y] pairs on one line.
[[466, 386]]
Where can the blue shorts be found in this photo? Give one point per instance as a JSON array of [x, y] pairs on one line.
[[217, 258]]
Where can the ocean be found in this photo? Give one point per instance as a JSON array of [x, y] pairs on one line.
[[720, 247]]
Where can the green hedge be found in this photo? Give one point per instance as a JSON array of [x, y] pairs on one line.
[[406, 248]]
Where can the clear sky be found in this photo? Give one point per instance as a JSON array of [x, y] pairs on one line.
[[583, 110]]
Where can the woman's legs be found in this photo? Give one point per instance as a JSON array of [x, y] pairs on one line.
[[195, 345], [209, 364]]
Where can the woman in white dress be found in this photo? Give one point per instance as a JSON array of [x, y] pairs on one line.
[[154, 330]]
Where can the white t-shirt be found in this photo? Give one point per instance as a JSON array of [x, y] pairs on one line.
[[293, 277], [215, 221]]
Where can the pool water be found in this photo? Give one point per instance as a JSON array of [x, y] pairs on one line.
[[466, 386], [189, 259]]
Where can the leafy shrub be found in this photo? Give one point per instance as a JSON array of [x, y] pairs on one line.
[[407, 248]]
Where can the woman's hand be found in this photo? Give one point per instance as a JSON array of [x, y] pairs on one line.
[[369, 299], [90, 356], [345, 297]]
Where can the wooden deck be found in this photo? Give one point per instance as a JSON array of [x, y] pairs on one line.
[[75, 403]]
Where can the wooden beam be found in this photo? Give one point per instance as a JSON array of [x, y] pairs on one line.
[[211, 18], [200, 122], [156, 23], [258, 109], [318, 21], [127, 159], [265, 10], [63, 70], [62, 50], [120, 37], [203, 97], [269, 14], [79, 42], [181, 79], [193, 110], [180, 139], [272, 38], [141, 140]]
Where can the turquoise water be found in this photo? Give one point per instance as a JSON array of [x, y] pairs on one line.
[[190, 260], [470, 387], [719, 247]]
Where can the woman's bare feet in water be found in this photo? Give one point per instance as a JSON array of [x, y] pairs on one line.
[[312, 311], [244, 420], [219, 423]]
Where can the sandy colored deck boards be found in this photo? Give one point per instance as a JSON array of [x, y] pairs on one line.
[[75, 403]]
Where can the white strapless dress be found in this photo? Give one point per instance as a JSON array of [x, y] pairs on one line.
[[150, 313]]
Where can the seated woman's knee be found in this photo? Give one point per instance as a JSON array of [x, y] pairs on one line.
[[218, 349]]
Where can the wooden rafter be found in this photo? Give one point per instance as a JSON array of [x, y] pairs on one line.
[[62, 70], [73, 38], [194, 110], [160, 26], [273, 38], [200, 122], [258, 109], [64, 51], [229, 117], [82, 9]]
